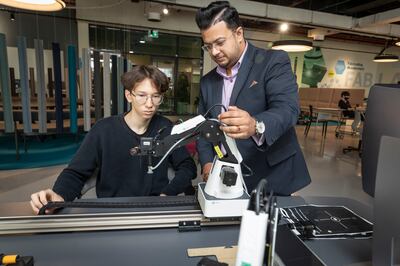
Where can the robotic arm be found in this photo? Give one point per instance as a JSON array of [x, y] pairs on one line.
[[225, 180]]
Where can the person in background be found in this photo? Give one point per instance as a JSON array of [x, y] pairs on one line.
[[107, 149], [345, 105], [350, 112], [259, 92]]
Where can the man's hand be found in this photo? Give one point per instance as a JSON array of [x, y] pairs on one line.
[[239, 123], [206, 171], [39, 199]]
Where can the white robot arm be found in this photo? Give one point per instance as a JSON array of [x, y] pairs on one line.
[[225, 181]]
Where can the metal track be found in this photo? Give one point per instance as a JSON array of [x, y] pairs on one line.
[[104, 221]]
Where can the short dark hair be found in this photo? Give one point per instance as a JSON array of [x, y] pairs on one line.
[[216, 12], [139, 73], [344, 94]]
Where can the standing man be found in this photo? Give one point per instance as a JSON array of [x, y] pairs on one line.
[[259, 91]]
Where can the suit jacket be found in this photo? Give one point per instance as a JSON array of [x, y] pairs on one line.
[[266, 88]]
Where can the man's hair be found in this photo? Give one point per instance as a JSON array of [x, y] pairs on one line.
[[344, 94], [139, 73], [216, 12]]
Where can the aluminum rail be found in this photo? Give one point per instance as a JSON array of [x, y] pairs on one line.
[[105, 221]]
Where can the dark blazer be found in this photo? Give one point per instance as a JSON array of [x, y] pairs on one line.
[[266, 88]]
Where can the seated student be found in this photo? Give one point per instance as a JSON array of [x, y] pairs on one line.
[[348, 111], [345, 105], [107, 147]]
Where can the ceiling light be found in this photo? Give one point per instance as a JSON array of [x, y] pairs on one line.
[[292, 45], [36, 5], [12, 16], [397, 43], [131, 52], [142, 41], [284, 27], [386, 58], [165, 10]]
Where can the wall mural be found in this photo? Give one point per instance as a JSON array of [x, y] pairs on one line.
[[314, 67], [331, 68]]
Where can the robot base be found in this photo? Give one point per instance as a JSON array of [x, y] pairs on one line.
[[214, 207]]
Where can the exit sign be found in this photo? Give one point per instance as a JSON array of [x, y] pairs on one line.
[[153, 34]]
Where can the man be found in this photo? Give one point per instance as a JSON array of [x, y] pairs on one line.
[[259, 90], [345, 105], [108, 144], [349, 112]]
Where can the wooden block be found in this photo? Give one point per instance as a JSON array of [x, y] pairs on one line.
[[223, 254]]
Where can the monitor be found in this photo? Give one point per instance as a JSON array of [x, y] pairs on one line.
[[382, 118], [386, 236]]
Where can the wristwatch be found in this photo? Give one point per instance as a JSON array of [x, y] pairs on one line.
[[260, 127]]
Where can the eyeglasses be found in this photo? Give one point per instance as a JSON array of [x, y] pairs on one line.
[[218, 44], [156, 99]]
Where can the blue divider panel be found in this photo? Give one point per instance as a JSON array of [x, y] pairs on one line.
[[5, 87], [24, 82], [97, 78], [124, 100], [86, 86], [106, 85], [58, 88], [114, 86], [129, 68], [120, 90], [73, 105], [41, 86]]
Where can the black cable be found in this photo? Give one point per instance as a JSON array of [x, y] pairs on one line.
[[260, 189], [159, 132], [212, 107], [248, 168], [182, 139]]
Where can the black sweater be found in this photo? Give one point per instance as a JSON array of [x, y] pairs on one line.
[[345, 105], [107, 148]]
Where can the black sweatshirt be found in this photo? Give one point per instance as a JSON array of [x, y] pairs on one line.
[[107, 146]]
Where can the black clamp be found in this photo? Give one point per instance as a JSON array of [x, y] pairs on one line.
[[305, 228], [189, 226]]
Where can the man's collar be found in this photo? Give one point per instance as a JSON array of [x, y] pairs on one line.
[[244, 52], [222, 71]]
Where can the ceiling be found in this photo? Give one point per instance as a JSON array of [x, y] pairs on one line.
[[302, 31], [354, 8]]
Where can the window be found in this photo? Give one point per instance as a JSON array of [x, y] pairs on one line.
[[179, 57]]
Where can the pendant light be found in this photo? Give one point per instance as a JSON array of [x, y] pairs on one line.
[[385, 58], [292, 45], [36, 5]]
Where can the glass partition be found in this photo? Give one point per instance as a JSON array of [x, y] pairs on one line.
[[179, 57]]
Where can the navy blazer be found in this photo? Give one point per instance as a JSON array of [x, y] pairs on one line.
[[266, 88]]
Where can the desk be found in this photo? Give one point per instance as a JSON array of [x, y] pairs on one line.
[[323, 115], [164, 246], [328, 113]]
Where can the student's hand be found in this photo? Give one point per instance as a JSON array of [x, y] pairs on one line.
[[39, 199], [206, 171], [239, 123]]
